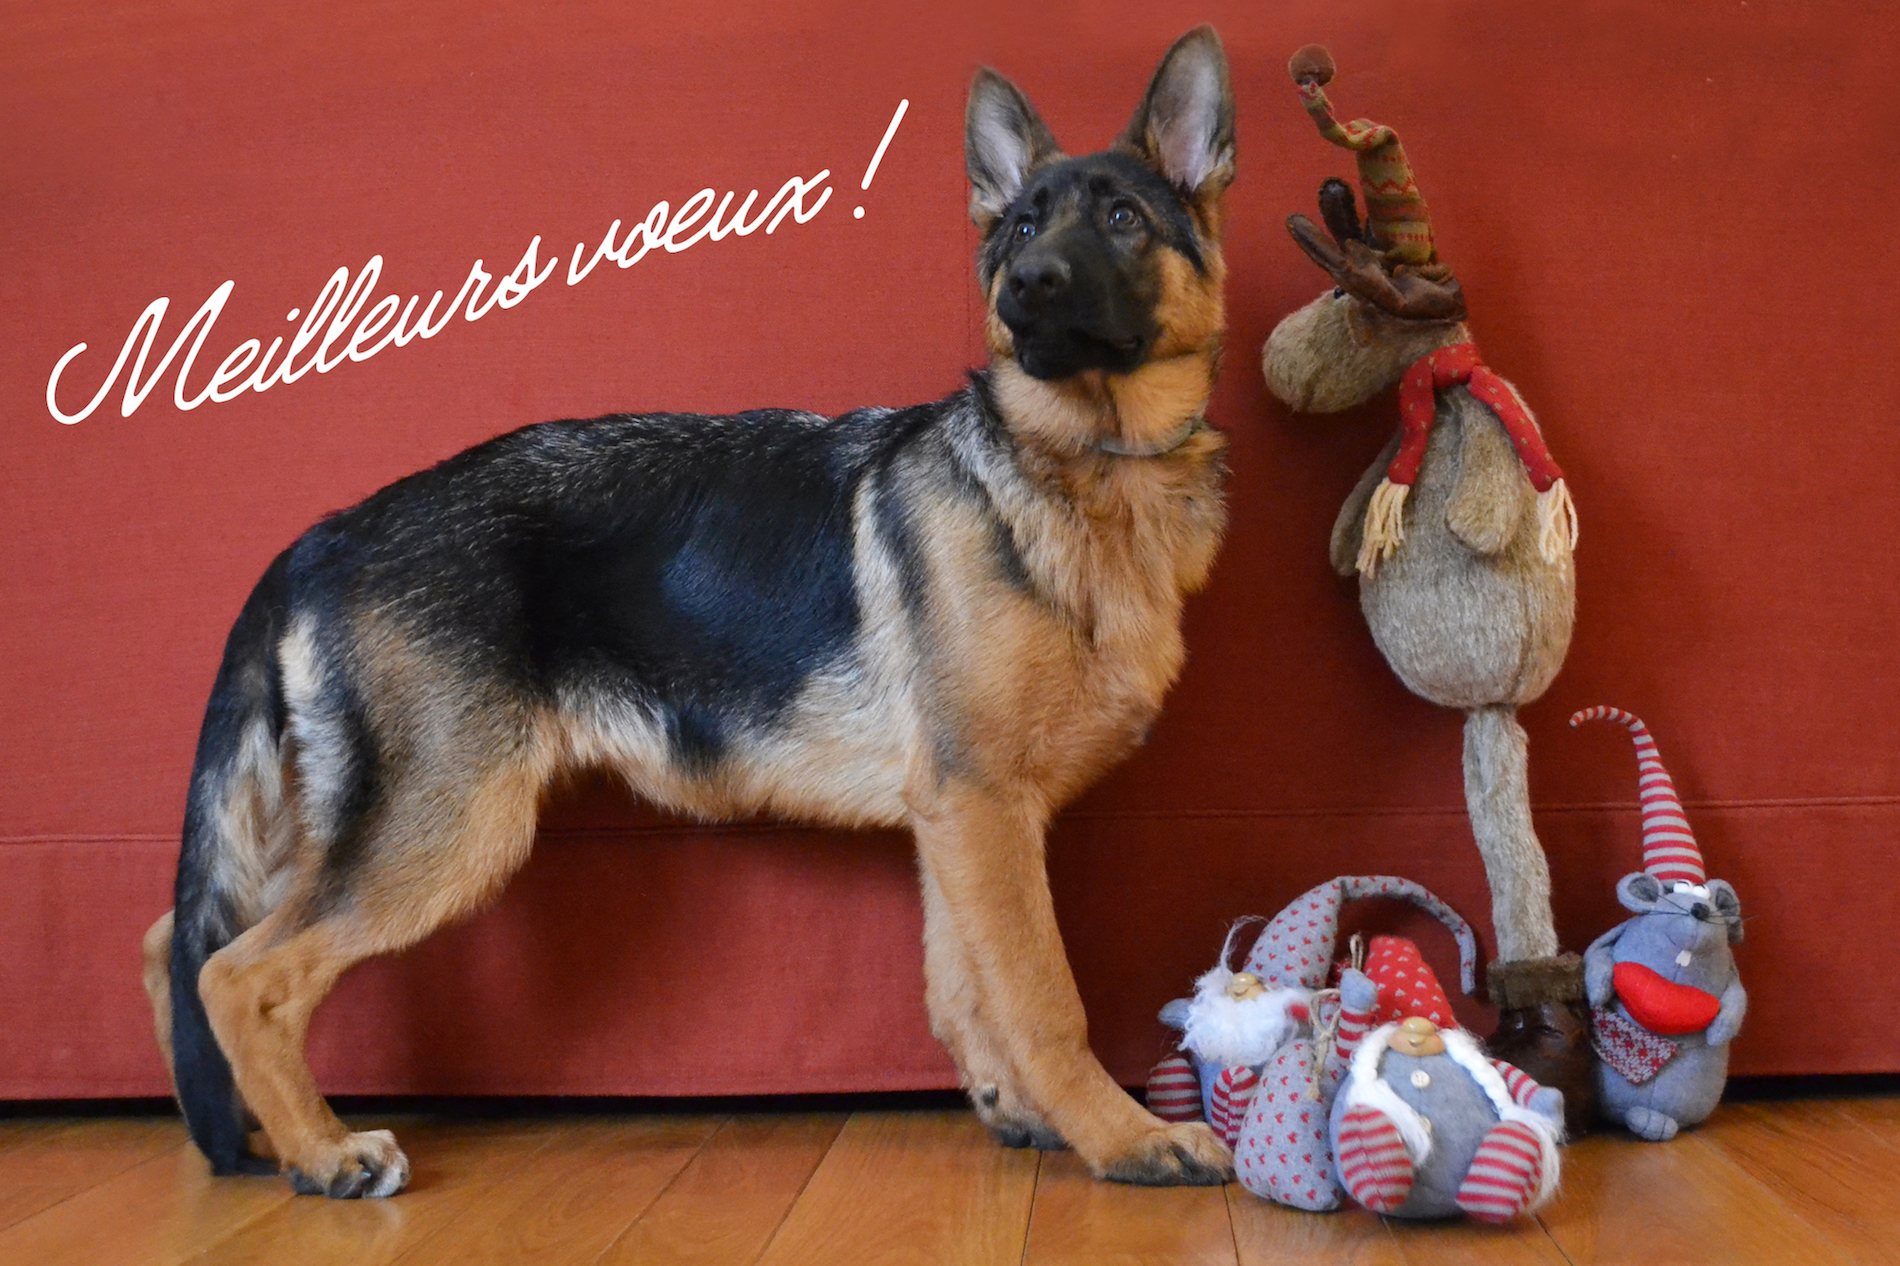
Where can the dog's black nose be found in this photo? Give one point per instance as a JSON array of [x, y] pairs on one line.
[[1036, 281]]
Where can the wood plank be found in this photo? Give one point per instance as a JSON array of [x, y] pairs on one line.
[[928, 1188], [1520, 1242], [1820, 1158], [1079, 1220], [20, 1131], [1880, 1115], [53, 1161], [1625, 1200], [569, 1200], [1269, 1234], [726, 1204], [1266, 1234], [155, 1213], [457, 1167]]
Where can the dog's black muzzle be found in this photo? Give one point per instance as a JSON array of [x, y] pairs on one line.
[[1065, 319]]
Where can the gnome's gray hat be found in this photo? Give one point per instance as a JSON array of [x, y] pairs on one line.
[[1296, 949]]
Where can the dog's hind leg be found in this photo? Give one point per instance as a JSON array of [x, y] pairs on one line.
[[435, 848], [957, 1019], [985, 854], [158, 984]]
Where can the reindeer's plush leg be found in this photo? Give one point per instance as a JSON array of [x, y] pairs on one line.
[[1543, 1021], [1497, 796], [1491, 495]]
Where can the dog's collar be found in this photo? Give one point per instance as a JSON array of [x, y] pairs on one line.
[[1173, 440]]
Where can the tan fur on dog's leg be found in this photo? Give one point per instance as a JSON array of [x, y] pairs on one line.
[[437, 850], [954, 998], [158, 985], [986, 854], [259, 992]]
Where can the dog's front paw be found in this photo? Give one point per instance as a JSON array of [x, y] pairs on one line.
[[1185, 1155], [356, 1165], [1012, 1122]]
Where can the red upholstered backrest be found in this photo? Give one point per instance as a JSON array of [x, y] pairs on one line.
[[1671, 224]]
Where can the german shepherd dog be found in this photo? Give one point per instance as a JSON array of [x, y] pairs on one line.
[[950, 617]]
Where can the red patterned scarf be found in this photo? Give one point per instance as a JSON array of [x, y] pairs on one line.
[[1418, 408], [1418, 404]]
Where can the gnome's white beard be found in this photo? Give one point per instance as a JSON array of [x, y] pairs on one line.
[[1230, 1033]]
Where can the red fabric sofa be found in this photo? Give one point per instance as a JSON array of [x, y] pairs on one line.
[[1671, 223]]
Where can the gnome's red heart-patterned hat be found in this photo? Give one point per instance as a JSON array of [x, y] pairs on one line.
[[1407, 984], [1296, 949]]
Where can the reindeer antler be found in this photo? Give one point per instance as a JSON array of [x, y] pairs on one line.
[[1340, 210]]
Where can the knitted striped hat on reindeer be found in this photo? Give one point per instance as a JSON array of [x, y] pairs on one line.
[[1395, 209], [1669, 847]]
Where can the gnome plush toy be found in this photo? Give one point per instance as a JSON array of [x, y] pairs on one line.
[[1428, 1126], [1667, 998], [1425, 1125], [1232, 1025], [1461, 536], [1253, 1038]]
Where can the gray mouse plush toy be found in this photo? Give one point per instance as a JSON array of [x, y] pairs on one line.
[[1667, 998]]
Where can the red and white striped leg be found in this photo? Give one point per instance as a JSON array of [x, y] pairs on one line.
[[1504, 1176], [1373, 1162]]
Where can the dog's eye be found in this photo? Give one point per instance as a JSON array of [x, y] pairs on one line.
[[1026, 228], [1339, 292], [1123, 218]]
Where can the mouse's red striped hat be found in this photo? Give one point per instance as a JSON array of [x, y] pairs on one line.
[[1669, 847]]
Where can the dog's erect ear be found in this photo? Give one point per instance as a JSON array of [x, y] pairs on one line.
[[1185, 125], [1004, 139]]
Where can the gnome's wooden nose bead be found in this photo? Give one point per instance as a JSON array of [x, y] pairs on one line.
[[1245, 985], [1417, 1035]]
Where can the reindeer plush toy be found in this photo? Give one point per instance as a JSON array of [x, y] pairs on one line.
[[1461, 534], [1667, 996]]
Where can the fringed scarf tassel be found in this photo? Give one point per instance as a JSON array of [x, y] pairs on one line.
[[1556, 522], [1384, 529]]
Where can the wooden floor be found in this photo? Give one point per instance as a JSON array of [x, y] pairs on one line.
[[1799, 1182]]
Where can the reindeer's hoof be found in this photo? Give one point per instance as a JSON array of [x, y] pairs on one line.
[[1186, 1155], [356, 1166]]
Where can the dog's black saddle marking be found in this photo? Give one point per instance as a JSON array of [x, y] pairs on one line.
[[699, 567]]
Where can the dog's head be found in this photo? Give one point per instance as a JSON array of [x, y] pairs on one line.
[[1110, 261]]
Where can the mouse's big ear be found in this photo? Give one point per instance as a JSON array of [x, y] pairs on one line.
[[1184, 127], [1728, 906], [1639, 892], [1004, 139]]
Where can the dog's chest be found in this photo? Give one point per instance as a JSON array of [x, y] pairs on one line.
[[1129, 567]]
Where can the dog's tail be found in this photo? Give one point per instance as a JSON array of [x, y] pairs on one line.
[[234, 808]]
